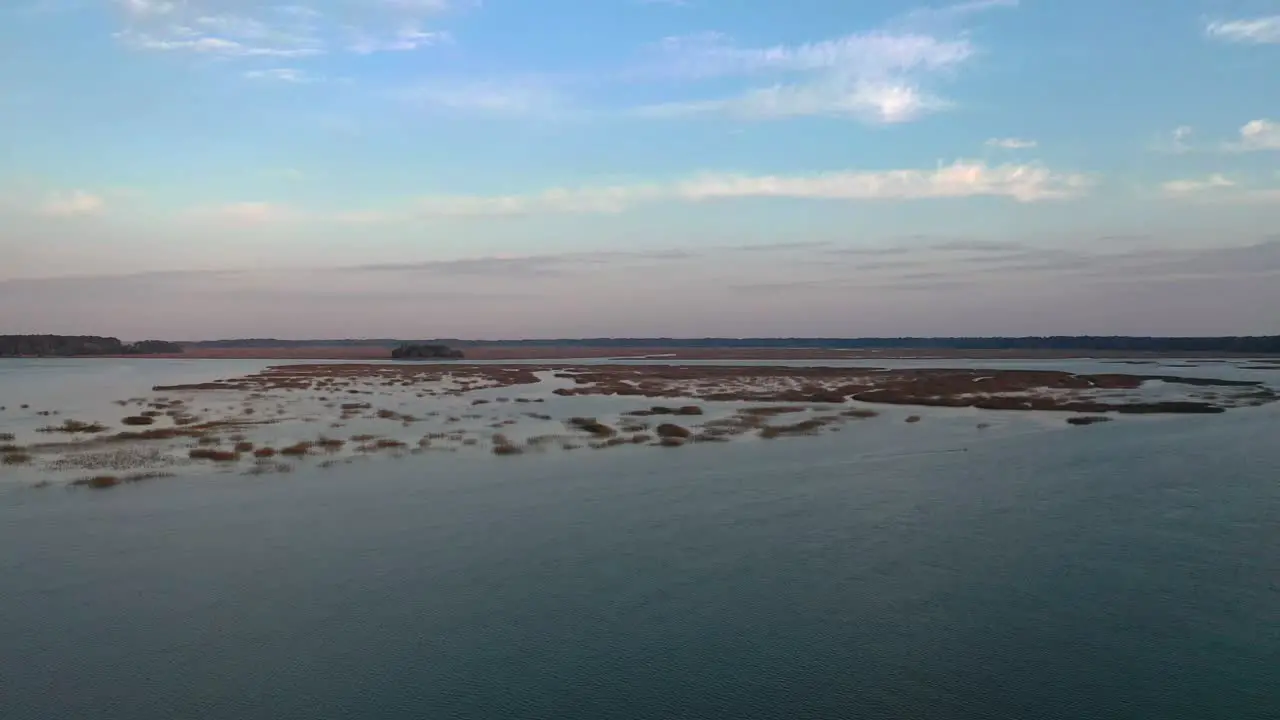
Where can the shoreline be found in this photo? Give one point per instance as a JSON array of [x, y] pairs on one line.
[[575, 352]]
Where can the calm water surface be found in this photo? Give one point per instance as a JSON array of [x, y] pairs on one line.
[[1129, 570]]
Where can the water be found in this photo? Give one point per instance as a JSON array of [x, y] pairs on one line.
[[1130, 570]]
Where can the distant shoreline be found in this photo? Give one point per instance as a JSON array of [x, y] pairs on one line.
[[573, 352]]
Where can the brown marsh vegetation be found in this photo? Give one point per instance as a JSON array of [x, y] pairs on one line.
[[74, 427], [15, 458], [591, 426], [214, 454]]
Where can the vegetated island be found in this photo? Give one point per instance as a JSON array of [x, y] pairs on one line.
[[980, 389], [80, 345], [409, 351]]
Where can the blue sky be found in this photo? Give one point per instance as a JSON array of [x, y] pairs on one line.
[[627, 167]]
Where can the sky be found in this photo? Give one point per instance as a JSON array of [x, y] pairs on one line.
[[196, 169]]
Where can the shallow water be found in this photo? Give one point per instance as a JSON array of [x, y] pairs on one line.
[[1029, 570]]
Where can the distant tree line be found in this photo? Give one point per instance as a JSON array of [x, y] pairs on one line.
[[1228, 344], [432, 352], [74, 345]]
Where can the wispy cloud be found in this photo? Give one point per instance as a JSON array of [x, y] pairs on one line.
[[286, 75], [1218, 188], [1023, 183], [548, 265], [248, 213], [207, 27], [71, 204], [1012, 143], [878, 76], [1175, 142], [1186, 188], [408, 37], [149, 7], [874, 102], [1251, 31]]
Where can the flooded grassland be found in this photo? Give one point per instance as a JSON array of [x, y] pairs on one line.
[[271, 420]]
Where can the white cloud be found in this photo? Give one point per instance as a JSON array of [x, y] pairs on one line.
[[287, 75], [1258, 135], [1253, 31], [148, 7], [408, 37], [876, 102], [1024, 183], [1184, 188], [1174, 142], [868, 54], [249, 213], [1218, 188], [879, 76], [71, 204], [270, 30], [1012, 143]]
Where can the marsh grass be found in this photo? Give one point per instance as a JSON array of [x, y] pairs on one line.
[[297, 449], [804, 427], [669, 430], [100, 482], [214, 454], [74, 427], [591, 426], [329, 444]]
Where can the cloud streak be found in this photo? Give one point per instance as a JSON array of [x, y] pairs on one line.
[[1012, 143], [76, 203], [1249, 31], [965, 178], [1186, 188], [205, 27], [880, 76]]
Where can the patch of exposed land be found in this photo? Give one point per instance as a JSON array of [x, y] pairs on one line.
[[983, 389], [269, 422]]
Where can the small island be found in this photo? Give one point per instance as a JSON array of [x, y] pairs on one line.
[[409, 351]]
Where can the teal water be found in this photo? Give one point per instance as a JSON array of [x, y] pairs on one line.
[[1128, 570]]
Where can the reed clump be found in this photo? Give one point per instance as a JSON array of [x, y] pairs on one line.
[[591, 426], [670, 430], [74, 427], [15, 458], [214, 454]]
